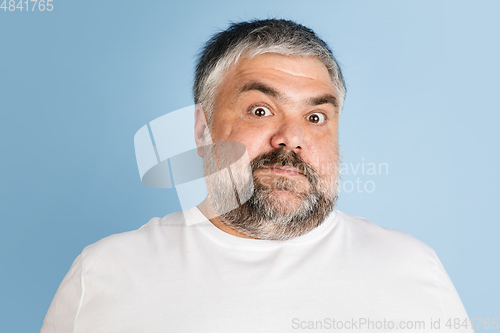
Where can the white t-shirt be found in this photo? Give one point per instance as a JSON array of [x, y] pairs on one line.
[[182, 274]]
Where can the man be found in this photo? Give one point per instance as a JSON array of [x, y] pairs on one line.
[[266, 251]]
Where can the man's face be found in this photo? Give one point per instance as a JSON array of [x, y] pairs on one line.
[[284, 110]]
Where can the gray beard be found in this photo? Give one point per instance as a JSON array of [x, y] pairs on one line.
[[262, 216]]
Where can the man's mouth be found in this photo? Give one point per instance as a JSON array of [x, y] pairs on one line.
[[283, 170]]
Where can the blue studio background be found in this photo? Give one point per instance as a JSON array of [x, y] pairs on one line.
[[77, 83]]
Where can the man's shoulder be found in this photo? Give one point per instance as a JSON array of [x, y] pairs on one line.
[[148, 235], [366, 235]]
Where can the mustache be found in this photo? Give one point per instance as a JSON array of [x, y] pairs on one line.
[[283, 157]]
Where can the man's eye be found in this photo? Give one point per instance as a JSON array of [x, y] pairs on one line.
[[316, 118], [261, 111]]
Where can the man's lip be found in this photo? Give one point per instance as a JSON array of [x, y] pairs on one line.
[[284, 170]]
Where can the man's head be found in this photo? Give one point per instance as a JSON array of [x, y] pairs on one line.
[[274, 86], [248, 39]]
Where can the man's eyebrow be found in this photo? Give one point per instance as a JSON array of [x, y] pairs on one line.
[[325, 99], [264, 88]]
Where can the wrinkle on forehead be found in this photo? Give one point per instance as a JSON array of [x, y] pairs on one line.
[[297, 79], [292, 65]]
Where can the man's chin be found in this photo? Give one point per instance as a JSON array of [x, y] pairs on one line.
[[284, 196], [284, 202]]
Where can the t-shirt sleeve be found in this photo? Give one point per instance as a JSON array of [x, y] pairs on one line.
[[64, 308], [453, 308]]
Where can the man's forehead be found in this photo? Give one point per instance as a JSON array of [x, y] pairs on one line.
[[309, 67], [269, 90]]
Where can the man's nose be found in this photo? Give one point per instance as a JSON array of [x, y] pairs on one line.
[[288, 134]]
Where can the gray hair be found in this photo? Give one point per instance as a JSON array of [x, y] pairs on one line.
[[251, 38]]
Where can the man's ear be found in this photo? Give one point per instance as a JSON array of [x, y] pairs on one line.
[[200, 128]]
